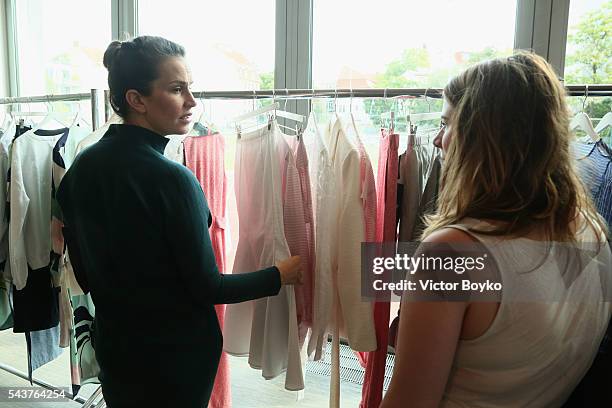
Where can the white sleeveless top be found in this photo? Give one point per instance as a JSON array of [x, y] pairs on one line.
[[535, 352]]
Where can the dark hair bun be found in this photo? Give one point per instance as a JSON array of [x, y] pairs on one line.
[[133, 65], [110, 54]]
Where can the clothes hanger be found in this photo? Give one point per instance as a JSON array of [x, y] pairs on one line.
[[290, 115], [78, 118], [605, 122], [582, 121], [201, 126], [274, 111], [429, 115], [48, 120], [353, 123], [388, 117]]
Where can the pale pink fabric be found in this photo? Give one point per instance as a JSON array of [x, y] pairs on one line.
[[265, 329], [204, 155], [386, 231], [369, 201], [298, 223], [368, 195], [301, 163]]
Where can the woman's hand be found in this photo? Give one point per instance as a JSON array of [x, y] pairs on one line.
[[290, 270]]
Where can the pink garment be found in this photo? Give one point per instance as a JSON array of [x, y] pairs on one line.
[[298, 223], [369, 200], [204, 155], [386, 231], [368, 194]]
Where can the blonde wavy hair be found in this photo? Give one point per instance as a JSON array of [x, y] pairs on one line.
[[509, 158]]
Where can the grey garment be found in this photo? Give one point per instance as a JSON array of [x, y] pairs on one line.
[[44, 346], [6, 314], [429, 198], [410, 184], [419, 177]]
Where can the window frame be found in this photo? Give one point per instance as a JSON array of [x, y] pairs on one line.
[[541, 26]]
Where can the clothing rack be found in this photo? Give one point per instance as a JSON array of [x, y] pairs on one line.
[[572, 90], [94, 95]]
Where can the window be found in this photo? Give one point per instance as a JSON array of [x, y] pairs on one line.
[[391, 44], [406, 44], [589, 53], [60, 48], [588, 56], [229, 46], [61, 44]]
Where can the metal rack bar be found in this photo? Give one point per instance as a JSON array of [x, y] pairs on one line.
[[41, 383], [572, 90], [46, 98]]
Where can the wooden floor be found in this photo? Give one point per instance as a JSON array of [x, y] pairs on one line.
[[249, 389]]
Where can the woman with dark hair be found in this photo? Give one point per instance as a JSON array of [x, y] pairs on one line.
[[136, 227], [509, 191]]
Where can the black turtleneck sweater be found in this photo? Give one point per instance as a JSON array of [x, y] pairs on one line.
[[136, 227]]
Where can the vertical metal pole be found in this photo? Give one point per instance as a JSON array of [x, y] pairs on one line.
[[95, 108], [107, 107], [13, 47]]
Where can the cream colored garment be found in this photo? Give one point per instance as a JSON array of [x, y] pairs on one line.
[[346, 235], [30, 204], [323, 197], [534, 353], [175, 150], [6, 139], [98, 133]]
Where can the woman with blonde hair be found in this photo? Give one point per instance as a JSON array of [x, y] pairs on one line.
[[508, 189]]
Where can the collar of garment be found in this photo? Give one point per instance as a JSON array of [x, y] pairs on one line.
[[138, 134]]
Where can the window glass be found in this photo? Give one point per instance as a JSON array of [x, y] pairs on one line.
[[60, 48], [229, 46], [61, 44], [588, 57], [391, 44]]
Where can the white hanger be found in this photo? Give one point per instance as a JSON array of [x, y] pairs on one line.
[[274, 107], [48, 120], [389, 114], [605, 122], [583, 122], [78, 118]]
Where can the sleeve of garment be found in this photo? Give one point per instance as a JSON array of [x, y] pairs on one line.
[[186, 217], [19, 202], [75, 258], [72, 244], [358, 315]]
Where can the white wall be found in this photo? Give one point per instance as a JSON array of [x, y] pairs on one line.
[[4, 76]]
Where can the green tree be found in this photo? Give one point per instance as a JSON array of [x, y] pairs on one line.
[[399, 73], [266, 80], [591, 60], [486, 54]]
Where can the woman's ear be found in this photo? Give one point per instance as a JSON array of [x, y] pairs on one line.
[[136, 101]]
